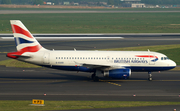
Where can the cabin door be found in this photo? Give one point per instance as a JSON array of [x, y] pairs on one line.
[[46, 58]]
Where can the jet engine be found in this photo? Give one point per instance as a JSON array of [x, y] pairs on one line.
[[118, 73]]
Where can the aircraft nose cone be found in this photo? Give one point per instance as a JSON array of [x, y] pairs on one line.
[[172, 63]]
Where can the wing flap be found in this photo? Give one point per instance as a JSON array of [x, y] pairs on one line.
[[97, 66]]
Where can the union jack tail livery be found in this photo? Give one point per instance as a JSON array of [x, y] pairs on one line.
[[23, 38], [25, 42]]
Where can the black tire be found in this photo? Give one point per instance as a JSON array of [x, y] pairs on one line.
[[93, 75], [96, 79]]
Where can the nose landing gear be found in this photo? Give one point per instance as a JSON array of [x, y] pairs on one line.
[[149, 76]]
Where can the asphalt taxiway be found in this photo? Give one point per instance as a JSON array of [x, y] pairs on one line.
[[123, 40], [147, 108], [26, 84]]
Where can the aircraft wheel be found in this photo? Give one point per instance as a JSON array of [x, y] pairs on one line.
[[96, 79], [93, 75], [150, 79], [149, 76]]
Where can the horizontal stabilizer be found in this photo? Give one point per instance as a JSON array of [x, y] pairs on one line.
[[16, 55], [24, 56]]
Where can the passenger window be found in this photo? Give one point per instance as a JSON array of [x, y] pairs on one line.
[[99, 58], [69, 57], [164, 58], [72, 57], [64, 57], [61, 57], [56, 57]]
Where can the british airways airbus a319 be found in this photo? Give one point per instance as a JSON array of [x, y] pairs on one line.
[[113, 64]]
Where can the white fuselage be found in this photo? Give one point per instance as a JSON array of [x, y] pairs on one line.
[[135, 60]]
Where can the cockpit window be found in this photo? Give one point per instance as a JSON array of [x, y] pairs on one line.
[[164, 58]]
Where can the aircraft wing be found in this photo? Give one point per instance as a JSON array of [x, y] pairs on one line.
[[97, 66], [100, 66]]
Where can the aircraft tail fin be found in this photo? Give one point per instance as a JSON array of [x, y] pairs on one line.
[[23, 38], [25, 42]]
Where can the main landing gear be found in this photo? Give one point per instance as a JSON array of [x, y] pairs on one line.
[[149, 76], [94, 77]]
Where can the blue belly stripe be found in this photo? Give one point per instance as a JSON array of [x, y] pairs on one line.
[[85, 69]]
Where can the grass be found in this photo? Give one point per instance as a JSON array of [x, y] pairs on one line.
[[16, 63], [145, 48], [172, 51], [69, 105], [95, 22]]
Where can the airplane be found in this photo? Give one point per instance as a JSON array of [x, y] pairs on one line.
[[112, 64]]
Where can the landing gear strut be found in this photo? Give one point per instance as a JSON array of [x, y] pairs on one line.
[[149, 76], [94, 77]]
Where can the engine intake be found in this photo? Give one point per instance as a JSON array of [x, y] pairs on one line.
[[118, 73]]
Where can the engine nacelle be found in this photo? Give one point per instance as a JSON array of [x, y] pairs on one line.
[[118, 73]]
